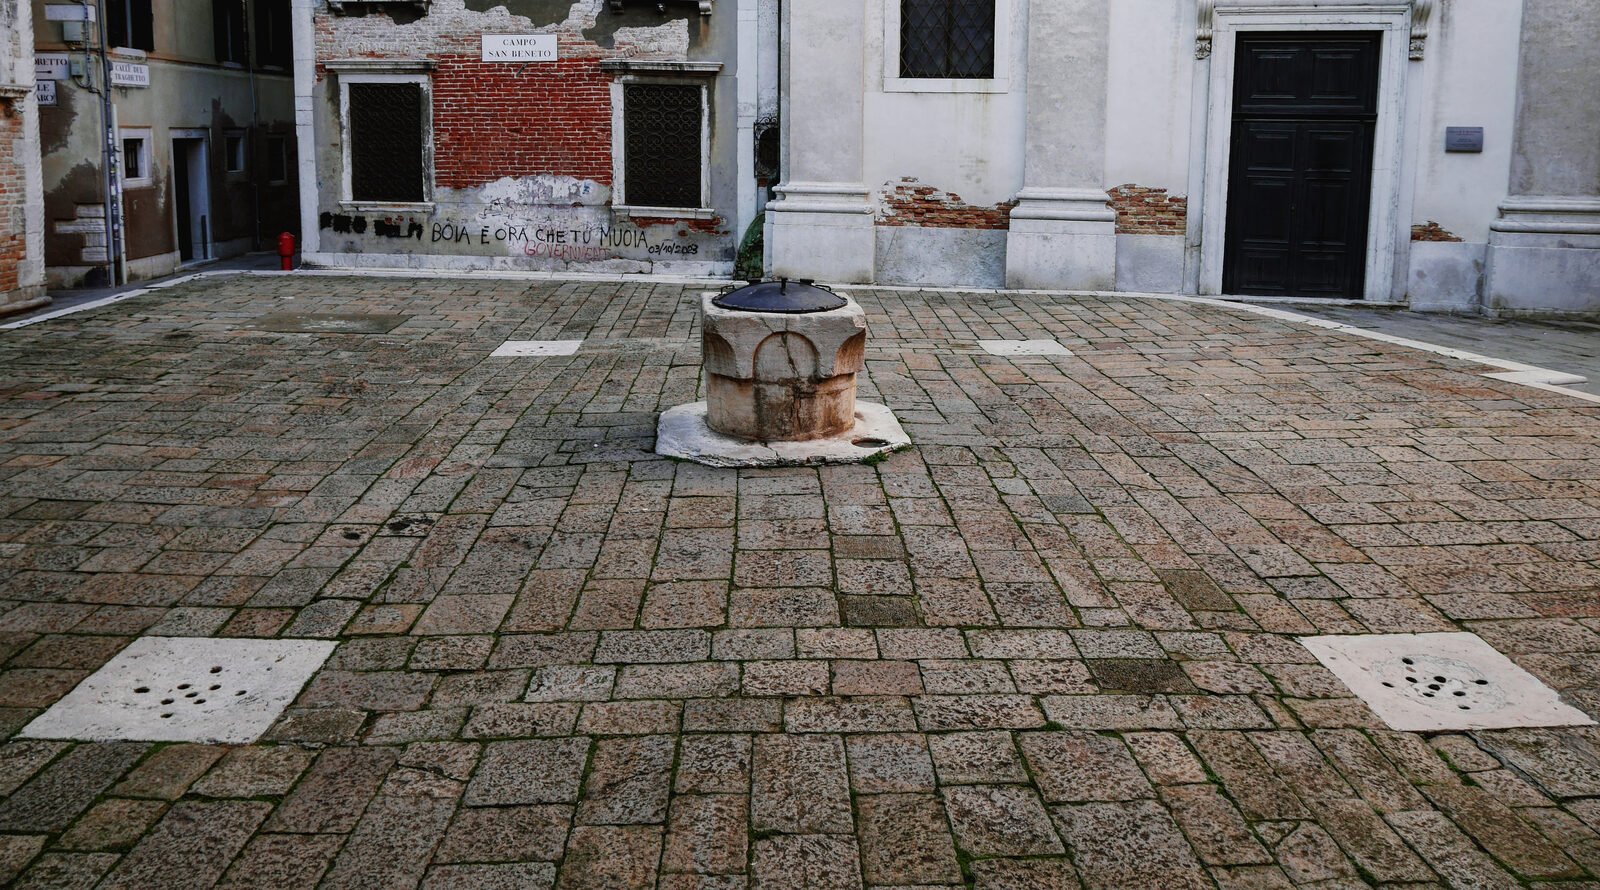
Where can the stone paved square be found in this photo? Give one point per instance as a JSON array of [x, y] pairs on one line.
[[1055, 644]]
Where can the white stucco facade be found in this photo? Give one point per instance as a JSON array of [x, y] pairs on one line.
[[1098, 157]]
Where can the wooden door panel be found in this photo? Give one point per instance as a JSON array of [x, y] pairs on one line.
[[1300, 178]]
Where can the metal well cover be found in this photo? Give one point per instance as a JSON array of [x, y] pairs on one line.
[[783, 296]]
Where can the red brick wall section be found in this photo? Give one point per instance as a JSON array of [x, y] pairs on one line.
[[492, 120], [1432, 231], [13, 242], [910, 203], [1148, 211]]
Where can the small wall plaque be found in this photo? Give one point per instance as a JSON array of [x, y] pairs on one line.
[[1463, 139], [519, 48]]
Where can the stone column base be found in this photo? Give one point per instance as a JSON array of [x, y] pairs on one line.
[[1544, 258], [1062, 239], [822, 230], [23, 299]]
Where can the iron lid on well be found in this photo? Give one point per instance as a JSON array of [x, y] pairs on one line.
[[783, 296]]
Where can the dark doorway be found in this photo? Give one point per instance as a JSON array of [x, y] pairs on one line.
[[1300, 181], [191, 199]]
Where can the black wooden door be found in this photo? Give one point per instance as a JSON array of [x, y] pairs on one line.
[[1300, 181]]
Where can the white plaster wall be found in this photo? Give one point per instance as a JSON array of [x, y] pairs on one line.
[[971, 144], [1149, 88], [1471, 81]]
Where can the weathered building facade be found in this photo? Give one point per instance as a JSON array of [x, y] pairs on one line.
[[1441, 153], [555, 135], [198, 115], [1444, 154], [21, 203]]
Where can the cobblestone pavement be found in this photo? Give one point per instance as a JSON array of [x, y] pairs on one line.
[[1051, 646]]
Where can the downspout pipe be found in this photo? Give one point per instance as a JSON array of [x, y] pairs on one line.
[[109, 167]]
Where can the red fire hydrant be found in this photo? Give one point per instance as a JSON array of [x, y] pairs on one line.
[[286, 251]]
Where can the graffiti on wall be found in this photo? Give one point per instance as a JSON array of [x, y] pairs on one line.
[[545, 221], [585, 243]]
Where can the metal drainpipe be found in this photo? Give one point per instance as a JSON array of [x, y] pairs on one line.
[[255, 126], [115, 270]]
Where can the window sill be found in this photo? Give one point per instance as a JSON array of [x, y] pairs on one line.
[[130, 184], [664, 212], [946, 85], [390, 206]]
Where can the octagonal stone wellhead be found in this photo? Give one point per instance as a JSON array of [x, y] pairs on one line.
[[781, 360], [782, 377]]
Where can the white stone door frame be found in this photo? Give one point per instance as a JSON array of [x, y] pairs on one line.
[[1384, 228]]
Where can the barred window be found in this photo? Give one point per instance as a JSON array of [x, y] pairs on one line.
[[662, 145], [947, 38], [386, 142]]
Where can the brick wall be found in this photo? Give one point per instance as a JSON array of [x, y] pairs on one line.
[[492, 120], [1148, 211], [1432, 231], [910, 203], [13, 238]]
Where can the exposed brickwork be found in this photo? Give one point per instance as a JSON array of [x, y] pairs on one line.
[[910, 203], [1432, 231], [1148, 211], [13, 241], [492, 120]]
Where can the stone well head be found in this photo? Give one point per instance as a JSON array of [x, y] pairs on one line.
[[781, 360]]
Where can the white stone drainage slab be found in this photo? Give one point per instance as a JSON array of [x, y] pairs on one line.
[[536, 348], [1010, 348], [683, 433], [185, 689], [1441, 681]]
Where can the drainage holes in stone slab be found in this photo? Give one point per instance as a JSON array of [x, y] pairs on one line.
[[1440, 682], [1446, 681], [185, 689], [869, 442]]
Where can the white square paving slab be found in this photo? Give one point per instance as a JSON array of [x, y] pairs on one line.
[[535, 348], [1441, 681], [1023, 347], [185, 689]]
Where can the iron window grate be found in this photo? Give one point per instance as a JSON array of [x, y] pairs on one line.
[[947, 39], [386, 142], [662, 125]]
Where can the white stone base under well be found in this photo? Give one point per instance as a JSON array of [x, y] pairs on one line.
[[683, 433]]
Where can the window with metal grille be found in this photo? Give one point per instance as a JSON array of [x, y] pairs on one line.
[[386, 142], [129, 23], [947, 38], [662, 126]]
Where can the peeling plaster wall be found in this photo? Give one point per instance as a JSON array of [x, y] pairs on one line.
[[188, 91], [522, 154]]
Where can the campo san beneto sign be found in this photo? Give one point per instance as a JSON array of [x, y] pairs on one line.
[[519, 47]]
